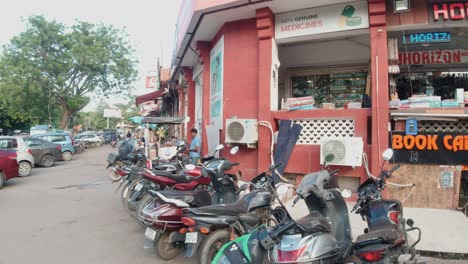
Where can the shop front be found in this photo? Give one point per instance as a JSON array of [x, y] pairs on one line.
[[324, 78], [317, 63], [428, 80]]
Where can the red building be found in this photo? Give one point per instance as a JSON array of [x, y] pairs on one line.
[[243, 59]]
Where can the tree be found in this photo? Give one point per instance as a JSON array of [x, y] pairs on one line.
[[67, 63]]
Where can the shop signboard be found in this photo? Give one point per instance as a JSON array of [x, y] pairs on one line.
[[441, 148], [112, 113], [433, 57], [448, 12], [325, 19], [216, 83], [426, 38], [150, 82]]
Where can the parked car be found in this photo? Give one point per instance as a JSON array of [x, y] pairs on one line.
[[62, 138], [8, 166], [24, 154], [90, 139], [45, 153]]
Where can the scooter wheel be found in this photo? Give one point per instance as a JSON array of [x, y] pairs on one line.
[[212, 244], [165, 249], [113, 176]]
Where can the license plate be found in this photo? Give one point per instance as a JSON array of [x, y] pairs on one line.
[[139, 187], [150, 233], [191, 238]]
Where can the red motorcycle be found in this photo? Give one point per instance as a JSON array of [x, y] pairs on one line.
[[136, 195]]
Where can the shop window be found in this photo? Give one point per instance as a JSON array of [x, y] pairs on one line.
[[432, 67], [335, 89]]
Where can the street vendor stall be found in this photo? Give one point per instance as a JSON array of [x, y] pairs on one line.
[[151, 148]]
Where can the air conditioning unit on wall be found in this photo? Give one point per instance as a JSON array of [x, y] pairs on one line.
[[346, 151], [242, 131]]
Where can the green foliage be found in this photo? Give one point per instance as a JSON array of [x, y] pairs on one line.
[[59, 66]]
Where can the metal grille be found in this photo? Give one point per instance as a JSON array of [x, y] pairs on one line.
[[313, 130], [443, 126]]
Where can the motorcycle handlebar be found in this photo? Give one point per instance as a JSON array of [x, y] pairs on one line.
[[234, 163], [394, 168], [335, 172], [297, 199], [275, 233]]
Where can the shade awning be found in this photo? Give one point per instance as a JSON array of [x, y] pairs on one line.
[[157, 120], [150, 96]]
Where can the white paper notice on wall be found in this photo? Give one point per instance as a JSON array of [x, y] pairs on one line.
[[325, 19], [212, 134]]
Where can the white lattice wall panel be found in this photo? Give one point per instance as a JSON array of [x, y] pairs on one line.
[[443, 126], [313, 130]]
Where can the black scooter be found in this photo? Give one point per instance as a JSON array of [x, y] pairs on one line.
[[385, 239], [217, 224]]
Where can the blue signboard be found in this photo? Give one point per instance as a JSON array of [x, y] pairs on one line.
[[428, 37]]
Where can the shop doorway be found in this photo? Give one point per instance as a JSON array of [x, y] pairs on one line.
[[464, 188], [198, 122]]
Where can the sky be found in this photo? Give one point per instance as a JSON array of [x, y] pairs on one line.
[[149, 23]]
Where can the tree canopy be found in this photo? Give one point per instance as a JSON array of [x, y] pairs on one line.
[[51, 65]]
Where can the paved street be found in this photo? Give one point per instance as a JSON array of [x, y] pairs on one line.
[[59, 216]]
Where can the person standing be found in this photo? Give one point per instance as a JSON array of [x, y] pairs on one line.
[[194, 150]]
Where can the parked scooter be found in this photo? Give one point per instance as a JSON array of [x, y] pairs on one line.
[[162, 218], [138, 192], [385, 239], [190, 178], [162, 214], [215, 225], [323, 236]]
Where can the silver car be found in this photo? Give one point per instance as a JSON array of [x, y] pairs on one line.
[[24, 153]]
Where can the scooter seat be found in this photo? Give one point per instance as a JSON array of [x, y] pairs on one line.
[[194, 198], [182, 177], [313, 223], [163, 173], [387, 233], [234, 209]]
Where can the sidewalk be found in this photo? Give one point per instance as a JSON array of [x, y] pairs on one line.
[[442, 230]]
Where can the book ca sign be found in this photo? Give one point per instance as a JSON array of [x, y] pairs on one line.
[[325, 19], [430, 148]]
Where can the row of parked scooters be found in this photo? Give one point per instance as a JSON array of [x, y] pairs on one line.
[[198, 210]]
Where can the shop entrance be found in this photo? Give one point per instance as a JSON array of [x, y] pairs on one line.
[[324, 73], [464, 188]]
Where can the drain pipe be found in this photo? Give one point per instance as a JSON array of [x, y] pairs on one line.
[[200, 19]]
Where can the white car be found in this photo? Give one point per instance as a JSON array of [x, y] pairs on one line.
[[92, 138], [24, 154]]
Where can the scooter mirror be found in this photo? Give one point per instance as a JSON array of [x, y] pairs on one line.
[[346, 193], [189, 167], [388, 154], [404, 258], [220, 147], [282, 190], [329, 157], [234, 150]]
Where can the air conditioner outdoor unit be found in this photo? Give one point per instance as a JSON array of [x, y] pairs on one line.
[[346, 151], [244, 131]]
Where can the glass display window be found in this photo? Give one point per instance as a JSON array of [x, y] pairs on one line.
[[334, 86]]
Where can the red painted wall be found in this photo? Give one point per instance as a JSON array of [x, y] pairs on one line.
[[240, 84]]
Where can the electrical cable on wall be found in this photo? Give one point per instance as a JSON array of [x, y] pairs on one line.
[[268, 125], [365, 163]]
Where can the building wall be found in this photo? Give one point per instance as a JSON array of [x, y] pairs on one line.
[[427, 193], [241, 83]]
